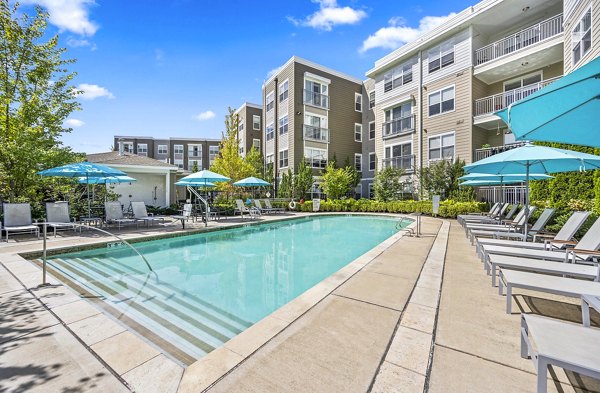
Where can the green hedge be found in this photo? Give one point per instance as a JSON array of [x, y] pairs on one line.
[[448, 208]]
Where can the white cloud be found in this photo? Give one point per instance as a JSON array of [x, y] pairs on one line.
[[69, 15], [91, 92], [78, 43], [398, 33], [74, 123], [206, 115], [274, 71], [330, 14]]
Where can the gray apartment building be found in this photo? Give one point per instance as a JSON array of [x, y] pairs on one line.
[[182, 152], [250, 127], [312, 112]]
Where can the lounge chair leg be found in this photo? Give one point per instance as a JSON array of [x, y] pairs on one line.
[[500, 286], [493, 275], [585, 313], [508, 299], [524, 339], [542, 380]]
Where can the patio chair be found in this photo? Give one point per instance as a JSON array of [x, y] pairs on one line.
[[17, 219], [509, 226], [496, 218], [186, 214], [504, 222], [57, 217], [241, 208], [536, 228], [114, 215], [274, 209], [493, 213], [565, 234], [140, 212], [548, 341], [260, 208], [585, 250]]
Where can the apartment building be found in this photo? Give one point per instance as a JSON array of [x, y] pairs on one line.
[[435, 97], [312, 112], [582, 32], [182, 152], [250, 127], [369, 159]]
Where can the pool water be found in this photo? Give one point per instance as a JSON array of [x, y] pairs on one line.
[[210, 287]]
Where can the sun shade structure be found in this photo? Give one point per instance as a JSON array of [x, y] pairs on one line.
[[206, 176], [506, 179], [252, 182], [195, 183], [106, 180], [83, 169], [529, 159], [565, 111]]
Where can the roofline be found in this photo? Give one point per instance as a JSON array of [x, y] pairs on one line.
[[409, 49], [163, 168], [168, 139], [319, 67], [249, 105]]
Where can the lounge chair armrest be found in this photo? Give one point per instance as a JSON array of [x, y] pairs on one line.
[[564, 242], [586, 252]]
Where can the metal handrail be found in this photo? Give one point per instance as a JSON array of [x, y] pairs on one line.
[[206, 207], [404, 125], [400, 162], [496, 102], [539, 32], [45, 249]]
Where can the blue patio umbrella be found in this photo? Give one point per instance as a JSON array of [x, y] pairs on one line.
[[106, 180], [197, 183], [252, 182], [529, 159], [486, 179], [83, 169], [565, 111], [205, 177]]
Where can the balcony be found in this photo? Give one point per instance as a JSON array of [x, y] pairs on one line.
[[316, 133], [398, 127], [316, 162], [488, 105], [407, 163], [521, 52], [316, 99], [490, 151]]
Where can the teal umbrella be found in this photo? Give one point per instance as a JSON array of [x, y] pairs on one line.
[[565, 111], [83, 169], [204, 178], [510, 178], [196, 183], [106, 180], [529, 159], [252, 182]]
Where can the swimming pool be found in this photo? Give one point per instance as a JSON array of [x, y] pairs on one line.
[[209, 287]]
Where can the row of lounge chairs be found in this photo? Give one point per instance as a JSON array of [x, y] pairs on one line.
[[256, 209], [550, 263]]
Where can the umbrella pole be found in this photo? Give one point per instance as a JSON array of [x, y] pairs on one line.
[[526, 201], [87, 188]]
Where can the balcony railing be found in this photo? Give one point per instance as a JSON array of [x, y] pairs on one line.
[[399, 127], [316, 99], [316, 133], [315, 162], [491, 104], [401, 162], [490, 151], [522, 39]]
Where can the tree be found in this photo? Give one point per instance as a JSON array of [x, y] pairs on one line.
[[195, 167], [336, 181], [285, 187], [353, 173], [303, 180], [229, 162], [442, 178], [388, 186], [35, 100], [255, 161]]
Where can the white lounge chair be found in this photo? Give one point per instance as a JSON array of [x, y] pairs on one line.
[[260, 207], [475, 225], [493, 210], [58, 217], [17, 219], [565, 234], [114, 215], [548, 341], [141, 213], [186, 214], [495, 213], [242, 209], [511, 226], [496, 219], [537, 227], [274, 209], [570, 287]]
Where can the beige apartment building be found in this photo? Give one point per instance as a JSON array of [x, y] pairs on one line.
[[435, 97], [249, 128], [181, 152], [312, 112]]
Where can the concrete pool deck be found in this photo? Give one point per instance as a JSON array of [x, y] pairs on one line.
[[412, 315]]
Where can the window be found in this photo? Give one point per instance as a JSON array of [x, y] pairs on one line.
[[256, 143], [358, 102], [371, 193], [315, 93], [399, 156], [191, 165], [398, 76], [194, 150], [316, 158], [256, 122], [283, 125], [270, 101], [582, 37], [441, 101], [270, 133], [283, 158], [178, 149], [441, 56], [142, 149], [371, 130], [441, 147], [398, 120], [371, 100], [127, 147], [283, 91], [358, 161], [241, 126], [358, 132], [372, 161], [213, 152], [179, 163], [163, 149], [269, 159]]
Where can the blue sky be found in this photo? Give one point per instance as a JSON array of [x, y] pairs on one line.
[[171, 68]]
